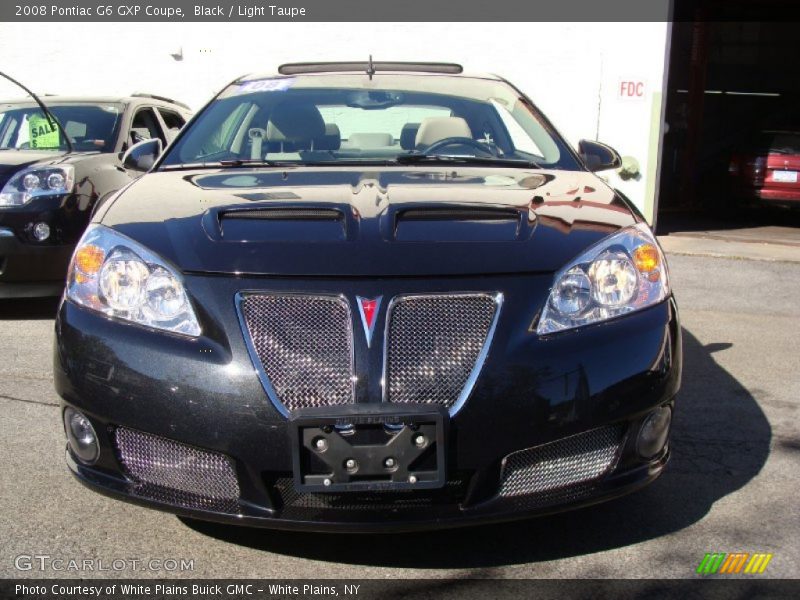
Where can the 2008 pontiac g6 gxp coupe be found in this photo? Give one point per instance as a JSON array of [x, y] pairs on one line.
[[368, 296]]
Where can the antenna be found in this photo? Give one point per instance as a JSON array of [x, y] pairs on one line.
[[370, 68]]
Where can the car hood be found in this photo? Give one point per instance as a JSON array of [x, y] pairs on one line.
[[371, 222], [11, 160]]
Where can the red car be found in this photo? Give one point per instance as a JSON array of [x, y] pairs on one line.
[[769, 168]]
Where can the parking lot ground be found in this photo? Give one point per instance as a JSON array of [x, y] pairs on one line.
[[724, 247], [756, 233], [730, 487], [776, 226]]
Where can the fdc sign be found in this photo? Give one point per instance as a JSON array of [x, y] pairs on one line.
[[632, 89]]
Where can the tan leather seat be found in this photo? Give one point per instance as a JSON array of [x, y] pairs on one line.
[[366, 141], [434, 129]]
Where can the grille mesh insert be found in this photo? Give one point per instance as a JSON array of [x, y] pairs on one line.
[[305, 346], [434, 343], [174, 473], [356, 505], [575, 460]]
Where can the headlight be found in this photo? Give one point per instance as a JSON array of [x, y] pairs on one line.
[[623, 273], [118, 277], [37, 181]]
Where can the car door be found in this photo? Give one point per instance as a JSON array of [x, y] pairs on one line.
[[171, 121], [145, 125]]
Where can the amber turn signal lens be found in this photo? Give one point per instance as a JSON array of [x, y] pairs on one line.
[[89, 259], [647, 261]]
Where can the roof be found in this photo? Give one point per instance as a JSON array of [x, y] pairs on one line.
[[351, 73], [370, 67], [133, 98]]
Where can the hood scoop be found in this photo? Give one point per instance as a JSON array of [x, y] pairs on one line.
[[282, 214], [276, 224], [376, 223], [463, 223]]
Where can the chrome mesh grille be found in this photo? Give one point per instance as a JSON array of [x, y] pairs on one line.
[[174, 473], [366, 506], [574, 460], [434, 344], [305, 346]]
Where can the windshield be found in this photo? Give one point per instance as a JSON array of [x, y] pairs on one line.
[[91, 127], [330, 119], [778, 142]]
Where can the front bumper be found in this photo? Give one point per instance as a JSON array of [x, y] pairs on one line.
[[381, 517], [532, 392], [30, 269]]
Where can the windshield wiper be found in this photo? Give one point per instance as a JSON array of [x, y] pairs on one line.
[[229, 163], [250, 162], [236, 163], [410, 159], [348, 162], [401, 159], [50, 116]]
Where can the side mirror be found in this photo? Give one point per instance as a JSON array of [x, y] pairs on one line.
[[598, 157], [142, 155]]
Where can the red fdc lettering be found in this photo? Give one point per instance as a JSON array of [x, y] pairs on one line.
[[631, 89]]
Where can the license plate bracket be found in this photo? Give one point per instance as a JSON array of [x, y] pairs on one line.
[[368, 448]]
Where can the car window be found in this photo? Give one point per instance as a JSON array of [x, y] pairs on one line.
[[173, 122], [389, 122], [519, 137], [90, 127], [779, 142], [313, 120], [145, 127], [227, 134]]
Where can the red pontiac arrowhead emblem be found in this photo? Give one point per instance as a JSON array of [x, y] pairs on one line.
[[368, 308]]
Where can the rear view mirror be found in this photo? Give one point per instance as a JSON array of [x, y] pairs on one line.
[[599, 157], [142, 155]]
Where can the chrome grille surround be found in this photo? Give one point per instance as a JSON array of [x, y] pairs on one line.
[[302, 347], [578, 459], [435, 346], [174, 473]]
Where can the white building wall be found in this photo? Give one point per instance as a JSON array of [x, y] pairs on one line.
[[572, 71]]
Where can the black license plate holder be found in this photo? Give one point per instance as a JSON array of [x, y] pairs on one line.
[[391, 448]]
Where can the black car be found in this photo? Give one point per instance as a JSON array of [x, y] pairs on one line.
[[368, 296], [49, 185]]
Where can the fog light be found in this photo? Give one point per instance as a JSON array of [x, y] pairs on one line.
[[41, 231], [653, 433], [81, 436]]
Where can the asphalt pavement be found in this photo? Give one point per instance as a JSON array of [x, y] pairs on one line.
[[731, 486]]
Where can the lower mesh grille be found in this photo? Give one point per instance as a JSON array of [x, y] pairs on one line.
[[304, 344], [298, 505], [558, 466], [167, 471]]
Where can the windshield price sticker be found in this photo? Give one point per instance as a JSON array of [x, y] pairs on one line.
[[266, 85], [43, 133]]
